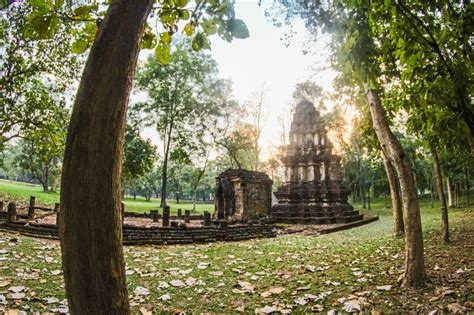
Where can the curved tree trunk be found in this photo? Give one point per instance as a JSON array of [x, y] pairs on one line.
[[442, 198], [398, 227], [91, 223], [415, 273]]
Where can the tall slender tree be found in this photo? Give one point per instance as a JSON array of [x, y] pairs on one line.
[[185, 99]]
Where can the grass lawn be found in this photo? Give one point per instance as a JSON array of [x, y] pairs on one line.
[[289, 273], [19, 190]]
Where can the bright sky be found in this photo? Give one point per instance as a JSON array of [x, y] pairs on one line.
[[263, 59]]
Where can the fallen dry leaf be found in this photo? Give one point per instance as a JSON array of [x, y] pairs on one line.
[[265, 310], [352, 306], [177, 283], [384, 287], [456, 308]]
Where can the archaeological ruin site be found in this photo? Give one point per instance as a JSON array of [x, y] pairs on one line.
[[312, 194]]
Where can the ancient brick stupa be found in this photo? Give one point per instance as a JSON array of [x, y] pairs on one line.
[[312, 192]]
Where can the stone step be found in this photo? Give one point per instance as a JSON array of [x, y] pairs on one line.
[[317, 220], [302, 213]]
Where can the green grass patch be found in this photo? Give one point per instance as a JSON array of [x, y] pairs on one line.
[[19, 190]]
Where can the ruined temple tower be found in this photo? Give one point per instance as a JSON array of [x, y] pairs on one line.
[[312, 191]]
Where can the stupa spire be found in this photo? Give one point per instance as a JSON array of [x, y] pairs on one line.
[[312, 191]]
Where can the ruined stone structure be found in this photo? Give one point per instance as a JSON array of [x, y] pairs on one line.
[[242, 195], [312, 192]]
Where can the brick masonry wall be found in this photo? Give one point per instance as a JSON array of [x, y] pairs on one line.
[[133, 235]]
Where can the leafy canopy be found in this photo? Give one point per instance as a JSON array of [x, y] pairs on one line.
[[195, 19]]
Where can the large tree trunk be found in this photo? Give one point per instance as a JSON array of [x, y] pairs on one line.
[[398, 227], [91, 243], [415, 273], [442, 198]]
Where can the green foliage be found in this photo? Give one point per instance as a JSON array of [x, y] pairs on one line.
[[185, 102], [309, 91], [202, 19], [139, 155], [185, 98], [237, 146], [418, 53], [34, 70], [42, 149]]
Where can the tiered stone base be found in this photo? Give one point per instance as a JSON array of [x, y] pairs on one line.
[[313, 203], [314, 214]]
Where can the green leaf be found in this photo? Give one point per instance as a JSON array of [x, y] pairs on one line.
[[209, 27], [165, 38], [39, 26], [58, 4], [188, 29], [40, 5], [200, 42], [180, 3], [183, 14], [84, 11], [79, 46], [166, 16], [238, 29], [149, 40], [162, 53]]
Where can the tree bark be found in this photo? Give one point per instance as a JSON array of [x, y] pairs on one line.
[[466, 174], [368, 198], [46, 180], [91, 223], [398, 226], [415, 273], [198, 180], [449, 185], [442, 198], [431, 195], [458, 192], [362, 197], [164, 173]]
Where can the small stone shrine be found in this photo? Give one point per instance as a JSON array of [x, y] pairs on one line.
[[242, 195], [312, 191]]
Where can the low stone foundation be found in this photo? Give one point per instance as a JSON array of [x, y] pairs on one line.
[[136, 235], [146, 228]]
